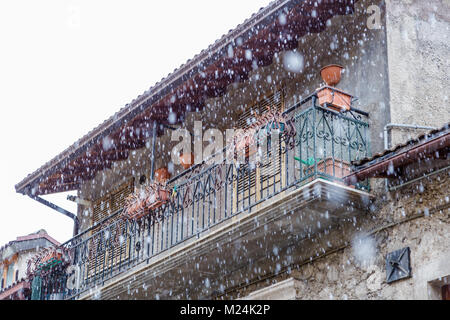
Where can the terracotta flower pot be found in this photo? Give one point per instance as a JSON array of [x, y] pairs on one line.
[[145, 201], [162, 175], [337, 168], [161, 196], [335, 99], [187, 160], [331, 74]]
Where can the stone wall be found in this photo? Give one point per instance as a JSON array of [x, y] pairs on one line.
[[416, 216]]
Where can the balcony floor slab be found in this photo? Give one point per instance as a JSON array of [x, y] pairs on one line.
[[226, 254]]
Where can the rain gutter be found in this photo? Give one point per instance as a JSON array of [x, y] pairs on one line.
[[398, 125], [389, 126], [401, 159]]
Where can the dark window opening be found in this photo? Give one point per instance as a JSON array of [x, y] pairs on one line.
[[446, 292]]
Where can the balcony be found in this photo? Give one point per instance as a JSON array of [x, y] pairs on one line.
[[294, 190]]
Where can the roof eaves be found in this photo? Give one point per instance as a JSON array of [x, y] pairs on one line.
[[129, 110]]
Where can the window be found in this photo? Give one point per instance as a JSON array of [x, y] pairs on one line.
[[446, 292], [253, 185], [10, 275], [17, 276]]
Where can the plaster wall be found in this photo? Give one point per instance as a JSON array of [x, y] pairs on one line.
[[418, 46]]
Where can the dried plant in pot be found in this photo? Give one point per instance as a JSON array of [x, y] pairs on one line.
[[157, 195], [245, 143], [187, 160], [134, 204], [329, 95], [246, 140], [145, 201], [162, 175]]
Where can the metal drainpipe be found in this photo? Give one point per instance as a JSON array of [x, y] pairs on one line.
[[152, 169], [60, 210], [399, 125]]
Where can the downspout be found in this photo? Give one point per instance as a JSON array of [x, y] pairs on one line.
[[397, 125], [60, 210], [389, 126], [152, 172]]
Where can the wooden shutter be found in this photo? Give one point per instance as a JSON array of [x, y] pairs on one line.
[[107, 252], [269, 174], [112, 202], [249, 115]]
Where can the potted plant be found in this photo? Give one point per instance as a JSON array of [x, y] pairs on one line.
[[145, 201], [162, 175], [187, 160], [245, 141], [50, 258], [330, 96], [263, 126], [157, 195], [134, 204], [336, 168]]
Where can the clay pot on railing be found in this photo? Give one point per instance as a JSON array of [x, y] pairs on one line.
[[335, 168], [134, 205], [145, 201], [328, 95], [187, 160], [162, 175], [331, 74], [157, 195]]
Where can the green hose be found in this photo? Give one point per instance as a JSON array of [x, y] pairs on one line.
[[308, 162]]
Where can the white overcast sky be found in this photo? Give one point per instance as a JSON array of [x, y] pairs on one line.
[[66, 66]]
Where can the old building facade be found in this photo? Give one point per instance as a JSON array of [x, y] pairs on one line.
[[306, 216], [14, 258]]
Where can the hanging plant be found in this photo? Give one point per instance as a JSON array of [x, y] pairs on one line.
[[46, 260]]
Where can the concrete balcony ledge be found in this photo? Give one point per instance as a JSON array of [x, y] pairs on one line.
[[196, 268], [283, 290]]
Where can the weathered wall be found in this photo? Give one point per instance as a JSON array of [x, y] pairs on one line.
[[349, 273], [418, 45]]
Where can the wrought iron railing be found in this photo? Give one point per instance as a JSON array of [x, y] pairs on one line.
[[314, 143]]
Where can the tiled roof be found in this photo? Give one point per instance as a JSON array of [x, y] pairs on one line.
[[309, 16], [432, 134], [32, 236], [214, 49]]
